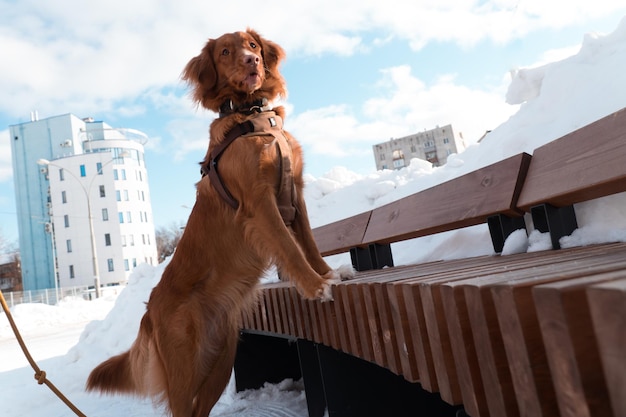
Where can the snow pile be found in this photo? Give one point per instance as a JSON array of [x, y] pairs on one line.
[[557, 98]]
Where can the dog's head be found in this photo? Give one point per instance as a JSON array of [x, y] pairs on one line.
[[239, 66]]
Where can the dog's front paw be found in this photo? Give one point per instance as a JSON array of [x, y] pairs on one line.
[[326, 292]]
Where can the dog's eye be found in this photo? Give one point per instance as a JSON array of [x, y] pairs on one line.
[[252, 45], [225, 52]]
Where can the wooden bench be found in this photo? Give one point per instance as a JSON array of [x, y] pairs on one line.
[[532, 334], [585, 164]]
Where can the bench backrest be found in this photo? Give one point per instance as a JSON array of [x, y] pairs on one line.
[[582, 165], [464, 201]]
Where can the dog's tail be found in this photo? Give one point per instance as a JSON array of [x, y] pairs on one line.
[[132, 372], [112, 375]]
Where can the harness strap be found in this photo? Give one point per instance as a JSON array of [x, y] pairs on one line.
[[267, 122], [211, 169], [286, 187]]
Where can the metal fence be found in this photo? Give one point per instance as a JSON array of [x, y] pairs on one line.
[[52, 296]]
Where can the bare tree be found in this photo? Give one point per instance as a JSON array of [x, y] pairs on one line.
[[167, 238], [10, 266]]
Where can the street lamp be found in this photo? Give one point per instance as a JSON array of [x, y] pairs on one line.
[[94, 255]]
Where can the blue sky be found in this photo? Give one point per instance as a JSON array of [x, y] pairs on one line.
[[358, 72]]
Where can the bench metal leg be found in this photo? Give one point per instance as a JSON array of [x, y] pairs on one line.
[[312, 376], [348, 386], [559, 221], [334, 382], [262, 359], [374, 256], [501, 226]]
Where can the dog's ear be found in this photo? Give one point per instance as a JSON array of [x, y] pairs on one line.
[[200, 73]]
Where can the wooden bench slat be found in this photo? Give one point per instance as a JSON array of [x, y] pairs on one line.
[[585, 164], [490, 352], [464, 351], [491, 190], [608, 310], [487, 340], [571, 346], [521, 333]]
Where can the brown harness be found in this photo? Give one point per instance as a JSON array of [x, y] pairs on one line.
[[268, 123]]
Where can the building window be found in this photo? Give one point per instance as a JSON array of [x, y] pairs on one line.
[[126, 265], [99, 168], [446, 141], [115, 175], [123, 241], [121, 216], [128, 218], [102, 192], [123, 174], [68, 243], [134, 262], [132, 240], [118, 195], [105, 215], [107, 239], [72, 271], [110, 264], [382, 157], [61, 175], [125, 195], [83, 171], [66, 220], [63, 197]]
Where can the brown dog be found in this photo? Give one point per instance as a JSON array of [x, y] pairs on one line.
[[249, 214]]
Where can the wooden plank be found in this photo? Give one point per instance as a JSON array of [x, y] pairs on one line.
[[463, 349], [487, 191], [331, 321], [490, 352], [387, 329], [294, 297], [521, 333], [608, 311], [341, 235], [408, 360], [362, 322], [487, 339], [419, 338], [569, 337], [340, 316], [373, 319], [582, 165], [440, 345]]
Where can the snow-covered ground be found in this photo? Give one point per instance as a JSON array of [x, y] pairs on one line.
[[68, 340]]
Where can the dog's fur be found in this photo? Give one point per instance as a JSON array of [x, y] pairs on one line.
[[185, 349]]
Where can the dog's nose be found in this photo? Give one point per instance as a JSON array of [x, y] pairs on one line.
[[251, 59]]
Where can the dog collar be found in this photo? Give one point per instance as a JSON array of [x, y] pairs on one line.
[[257, 106]]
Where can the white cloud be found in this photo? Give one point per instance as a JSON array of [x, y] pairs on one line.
[[93, 55], [405, 105]]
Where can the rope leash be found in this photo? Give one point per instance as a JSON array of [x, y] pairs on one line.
[[40, 375]]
